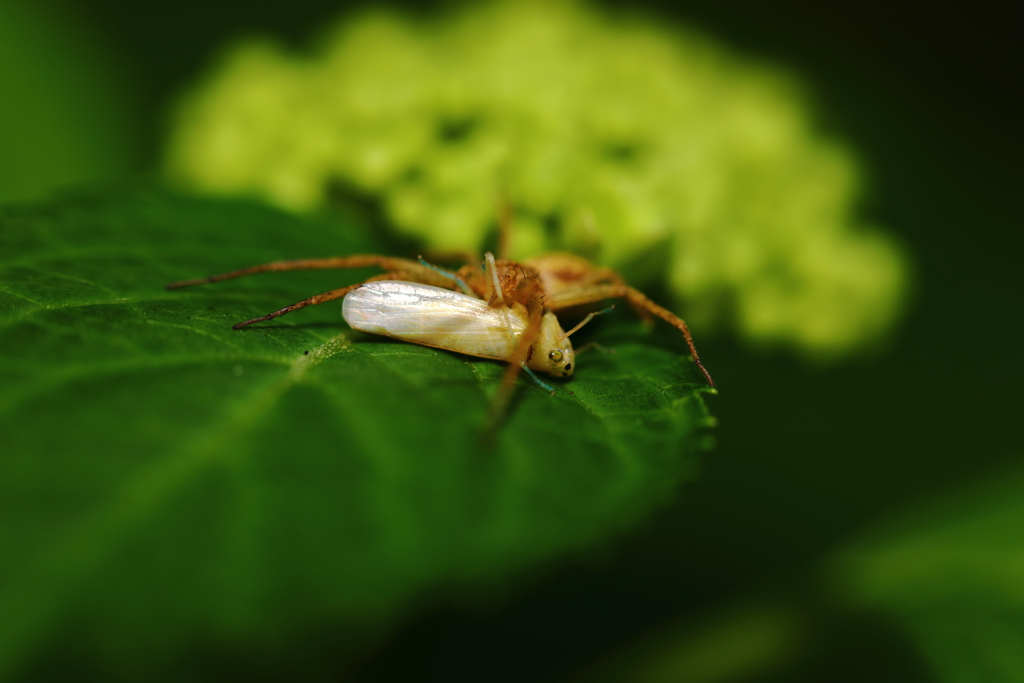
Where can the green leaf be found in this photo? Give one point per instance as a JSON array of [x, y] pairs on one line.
[[952, 574], [172, 490]]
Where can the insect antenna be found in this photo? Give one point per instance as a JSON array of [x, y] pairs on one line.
[[590, 316]]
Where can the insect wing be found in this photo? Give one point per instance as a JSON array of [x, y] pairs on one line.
[[432, 316]]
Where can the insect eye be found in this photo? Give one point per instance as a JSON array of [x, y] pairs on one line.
[[555, 356]]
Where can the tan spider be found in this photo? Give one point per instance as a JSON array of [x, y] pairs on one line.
[[504, 311]]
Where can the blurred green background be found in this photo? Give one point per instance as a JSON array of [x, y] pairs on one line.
[[809, 457]]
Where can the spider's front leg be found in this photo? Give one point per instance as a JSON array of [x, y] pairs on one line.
[[637, 299], [331, 262], [516, 363], [398, 269], [323, 298]]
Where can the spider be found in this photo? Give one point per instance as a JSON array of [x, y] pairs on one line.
[[504, 311]]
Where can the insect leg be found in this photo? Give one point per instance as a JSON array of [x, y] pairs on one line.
[[322, 298], [638, 300], [451, 276], [593, 345], [535, 378]]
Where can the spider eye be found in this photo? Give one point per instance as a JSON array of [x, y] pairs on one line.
[[555, 356]]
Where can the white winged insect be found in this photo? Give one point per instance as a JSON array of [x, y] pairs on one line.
[[444, 319]]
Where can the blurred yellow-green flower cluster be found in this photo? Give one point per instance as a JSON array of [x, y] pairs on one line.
[[609, 135]]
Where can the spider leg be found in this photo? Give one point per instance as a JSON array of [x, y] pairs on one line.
[[607, 276], [494, 290], [324, 298], [637, 299], [506, 216], [516, 363], [423, 273], [496, 298]]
